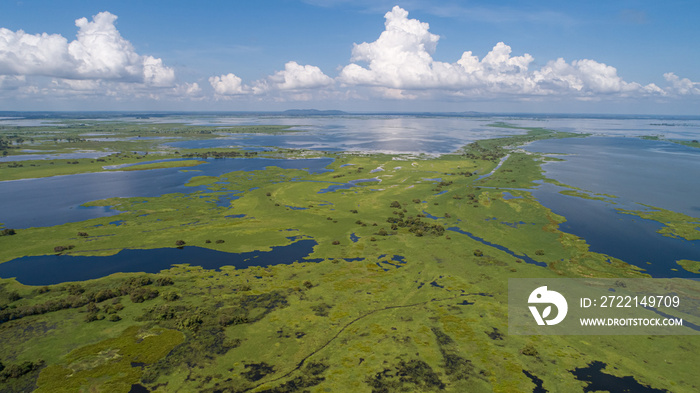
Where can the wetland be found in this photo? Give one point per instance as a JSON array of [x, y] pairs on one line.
[[240, 253]]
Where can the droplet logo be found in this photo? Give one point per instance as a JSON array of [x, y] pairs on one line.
[[542, 296]]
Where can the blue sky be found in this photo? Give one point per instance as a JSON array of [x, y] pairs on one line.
[[494, 56]]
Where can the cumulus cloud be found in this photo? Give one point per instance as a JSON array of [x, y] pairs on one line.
[[228, 84], [296, 82], [681, 86], [297, 76], [98, 52], [401, 59], [399, 65], [292, 81]]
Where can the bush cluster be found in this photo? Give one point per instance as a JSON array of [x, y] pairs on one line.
[[415, 225]]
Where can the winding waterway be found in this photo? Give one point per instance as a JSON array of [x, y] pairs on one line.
[[657, 173]]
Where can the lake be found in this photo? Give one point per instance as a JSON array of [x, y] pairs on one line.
[[56, 200], [637, 171], [613, 161]]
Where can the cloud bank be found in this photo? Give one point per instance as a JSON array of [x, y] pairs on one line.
[[399, 65], [401, 59], [98, 52]]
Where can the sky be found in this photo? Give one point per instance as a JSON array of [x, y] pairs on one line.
[[625, 57]]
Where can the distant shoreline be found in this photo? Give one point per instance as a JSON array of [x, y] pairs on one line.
[[18, 115]]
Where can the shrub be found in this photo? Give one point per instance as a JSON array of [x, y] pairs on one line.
[[7, 232], [171, 296], [63, 248], [140, 295], [74, 289], [83, 234], [91, 316], [192, 322], [14, 296], [163, 281], [478, 253], [539, 252], [336, 242], [104, 295], [180, 243], [17, 370], [529, 350], [219, 241], [321, 310], [308, 284], [395, 204], [134, 282]]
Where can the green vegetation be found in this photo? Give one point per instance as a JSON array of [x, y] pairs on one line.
[[434, 319], [692, 143], [675, 224], [159, 165], [691, 266], [125, 142]]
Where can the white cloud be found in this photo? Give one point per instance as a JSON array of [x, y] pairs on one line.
[[295, 77], [401, 59], [681, 86], [228, 84], [99, 52], [398, 65], [295, 83]]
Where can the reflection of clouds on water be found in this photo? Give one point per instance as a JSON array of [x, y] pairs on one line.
[[672, 129], [394, 134]]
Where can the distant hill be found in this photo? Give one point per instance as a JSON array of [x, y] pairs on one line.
[[312, 112]]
